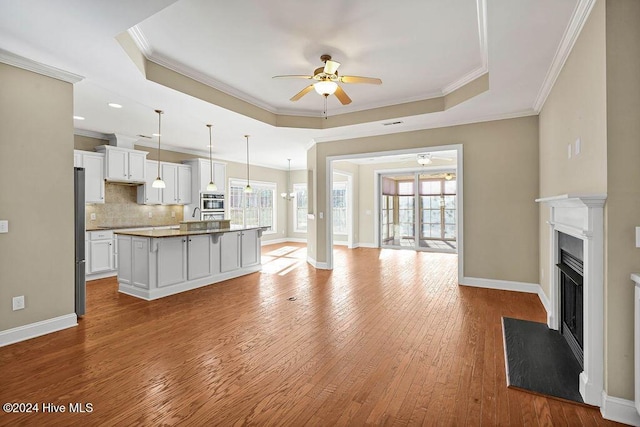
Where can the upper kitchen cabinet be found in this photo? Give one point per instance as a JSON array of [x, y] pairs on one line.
[[201, 176], [177, 179], [147, 195], [124, 164], [93, 164]]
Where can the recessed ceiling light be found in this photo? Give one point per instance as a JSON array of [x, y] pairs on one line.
[[114, 105], [78, 118]]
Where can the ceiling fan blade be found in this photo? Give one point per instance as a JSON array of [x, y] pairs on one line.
[[331, 67], [292, 76], [342, 96], [302, 93], [359, 79]]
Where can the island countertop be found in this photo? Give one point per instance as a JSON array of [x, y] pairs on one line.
[[178, 233]]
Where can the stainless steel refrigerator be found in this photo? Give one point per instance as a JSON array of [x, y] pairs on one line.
[[80, 284]]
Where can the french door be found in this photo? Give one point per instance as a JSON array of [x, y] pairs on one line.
[[418, 211]]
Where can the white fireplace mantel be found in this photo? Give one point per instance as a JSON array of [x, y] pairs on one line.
[[582, 216]]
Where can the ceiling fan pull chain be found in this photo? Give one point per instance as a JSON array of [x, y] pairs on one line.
[[325, 106]]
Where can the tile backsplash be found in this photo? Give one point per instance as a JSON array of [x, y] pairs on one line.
[[121, 209]]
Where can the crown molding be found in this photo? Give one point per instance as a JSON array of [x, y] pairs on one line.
[[91, 134], [578, 19], [18, 61], [484, 53]]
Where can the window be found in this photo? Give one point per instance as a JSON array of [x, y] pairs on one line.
[[300, 208], [438, 206], [339, 205], [256, 209]]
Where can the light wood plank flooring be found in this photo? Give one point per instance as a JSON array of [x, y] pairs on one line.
[[386, 338]]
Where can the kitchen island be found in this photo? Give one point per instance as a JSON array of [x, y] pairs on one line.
[[156, 263]]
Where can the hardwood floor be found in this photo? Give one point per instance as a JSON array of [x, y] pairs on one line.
[[386, 338]]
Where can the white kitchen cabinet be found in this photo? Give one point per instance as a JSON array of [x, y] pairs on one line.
[[230, 251], [201, 176], [100, 252], [123, 164], [93, 164], [125, 259], [250, 248], [172, 261], [198, 256], [177, 179], [147, 195]]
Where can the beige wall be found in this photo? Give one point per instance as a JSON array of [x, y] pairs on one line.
[[575, 108], [36, 196], [500, 159], [623, 190]]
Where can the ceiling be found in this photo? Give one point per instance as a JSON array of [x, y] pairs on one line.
[[421, 49]]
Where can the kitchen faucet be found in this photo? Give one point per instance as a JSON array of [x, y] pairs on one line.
[[193, 215]]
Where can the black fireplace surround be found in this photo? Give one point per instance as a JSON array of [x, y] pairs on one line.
[[571, 293]]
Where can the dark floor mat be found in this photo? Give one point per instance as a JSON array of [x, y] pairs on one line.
[[539, 360]]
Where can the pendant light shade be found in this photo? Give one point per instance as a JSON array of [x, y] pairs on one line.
[[211, 186], [288, 194], [248, 188], [159, 183]]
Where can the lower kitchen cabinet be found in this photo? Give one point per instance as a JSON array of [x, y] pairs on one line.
[[100, 252], [154, 264]]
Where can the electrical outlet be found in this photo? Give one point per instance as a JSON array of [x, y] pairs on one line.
[[150, 214], [4, 226], [93, 217], [173, 214], [18, 303]]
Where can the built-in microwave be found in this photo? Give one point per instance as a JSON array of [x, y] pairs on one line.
[[211, 201]]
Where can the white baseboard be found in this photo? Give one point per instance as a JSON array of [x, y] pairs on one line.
[[365, 245], [620, 410], [97, 276], [296, 240], [316, 264], [544, 300], [32, 330], [273, 241], [503, 285]]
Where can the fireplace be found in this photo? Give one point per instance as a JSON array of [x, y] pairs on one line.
[[576, 266], [571, 270]]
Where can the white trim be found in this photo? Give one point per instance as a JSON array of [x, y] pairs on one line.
[[546, 303], [578, 19], [296, 240], [95, 276], [484, 52], [37, 67], [581, 216], [503, 285], [619, 410], [366, 245], [91, 134], [316, 264], [273, 242], [32, 330]]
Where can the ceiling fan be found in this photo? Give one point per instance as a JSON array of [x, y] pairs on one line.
[[327, 79], [427, 158]]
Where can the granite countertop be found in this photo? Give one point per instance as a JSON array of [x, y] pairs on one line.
[[123, 227], [178, 233]]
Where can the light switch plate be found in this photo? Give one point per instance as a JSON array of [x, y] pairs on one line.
[[637, 237], [569, 151], [578, 146], [4, 226]]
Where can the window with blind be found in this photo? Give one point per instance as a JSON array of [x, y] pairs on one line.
[[300, 205], [339, 205], [256, 209]]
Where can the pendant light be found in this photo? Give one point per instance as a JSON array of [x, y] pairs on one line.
[[288, 195], [211, 186], [159, 183], [248, 188]]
